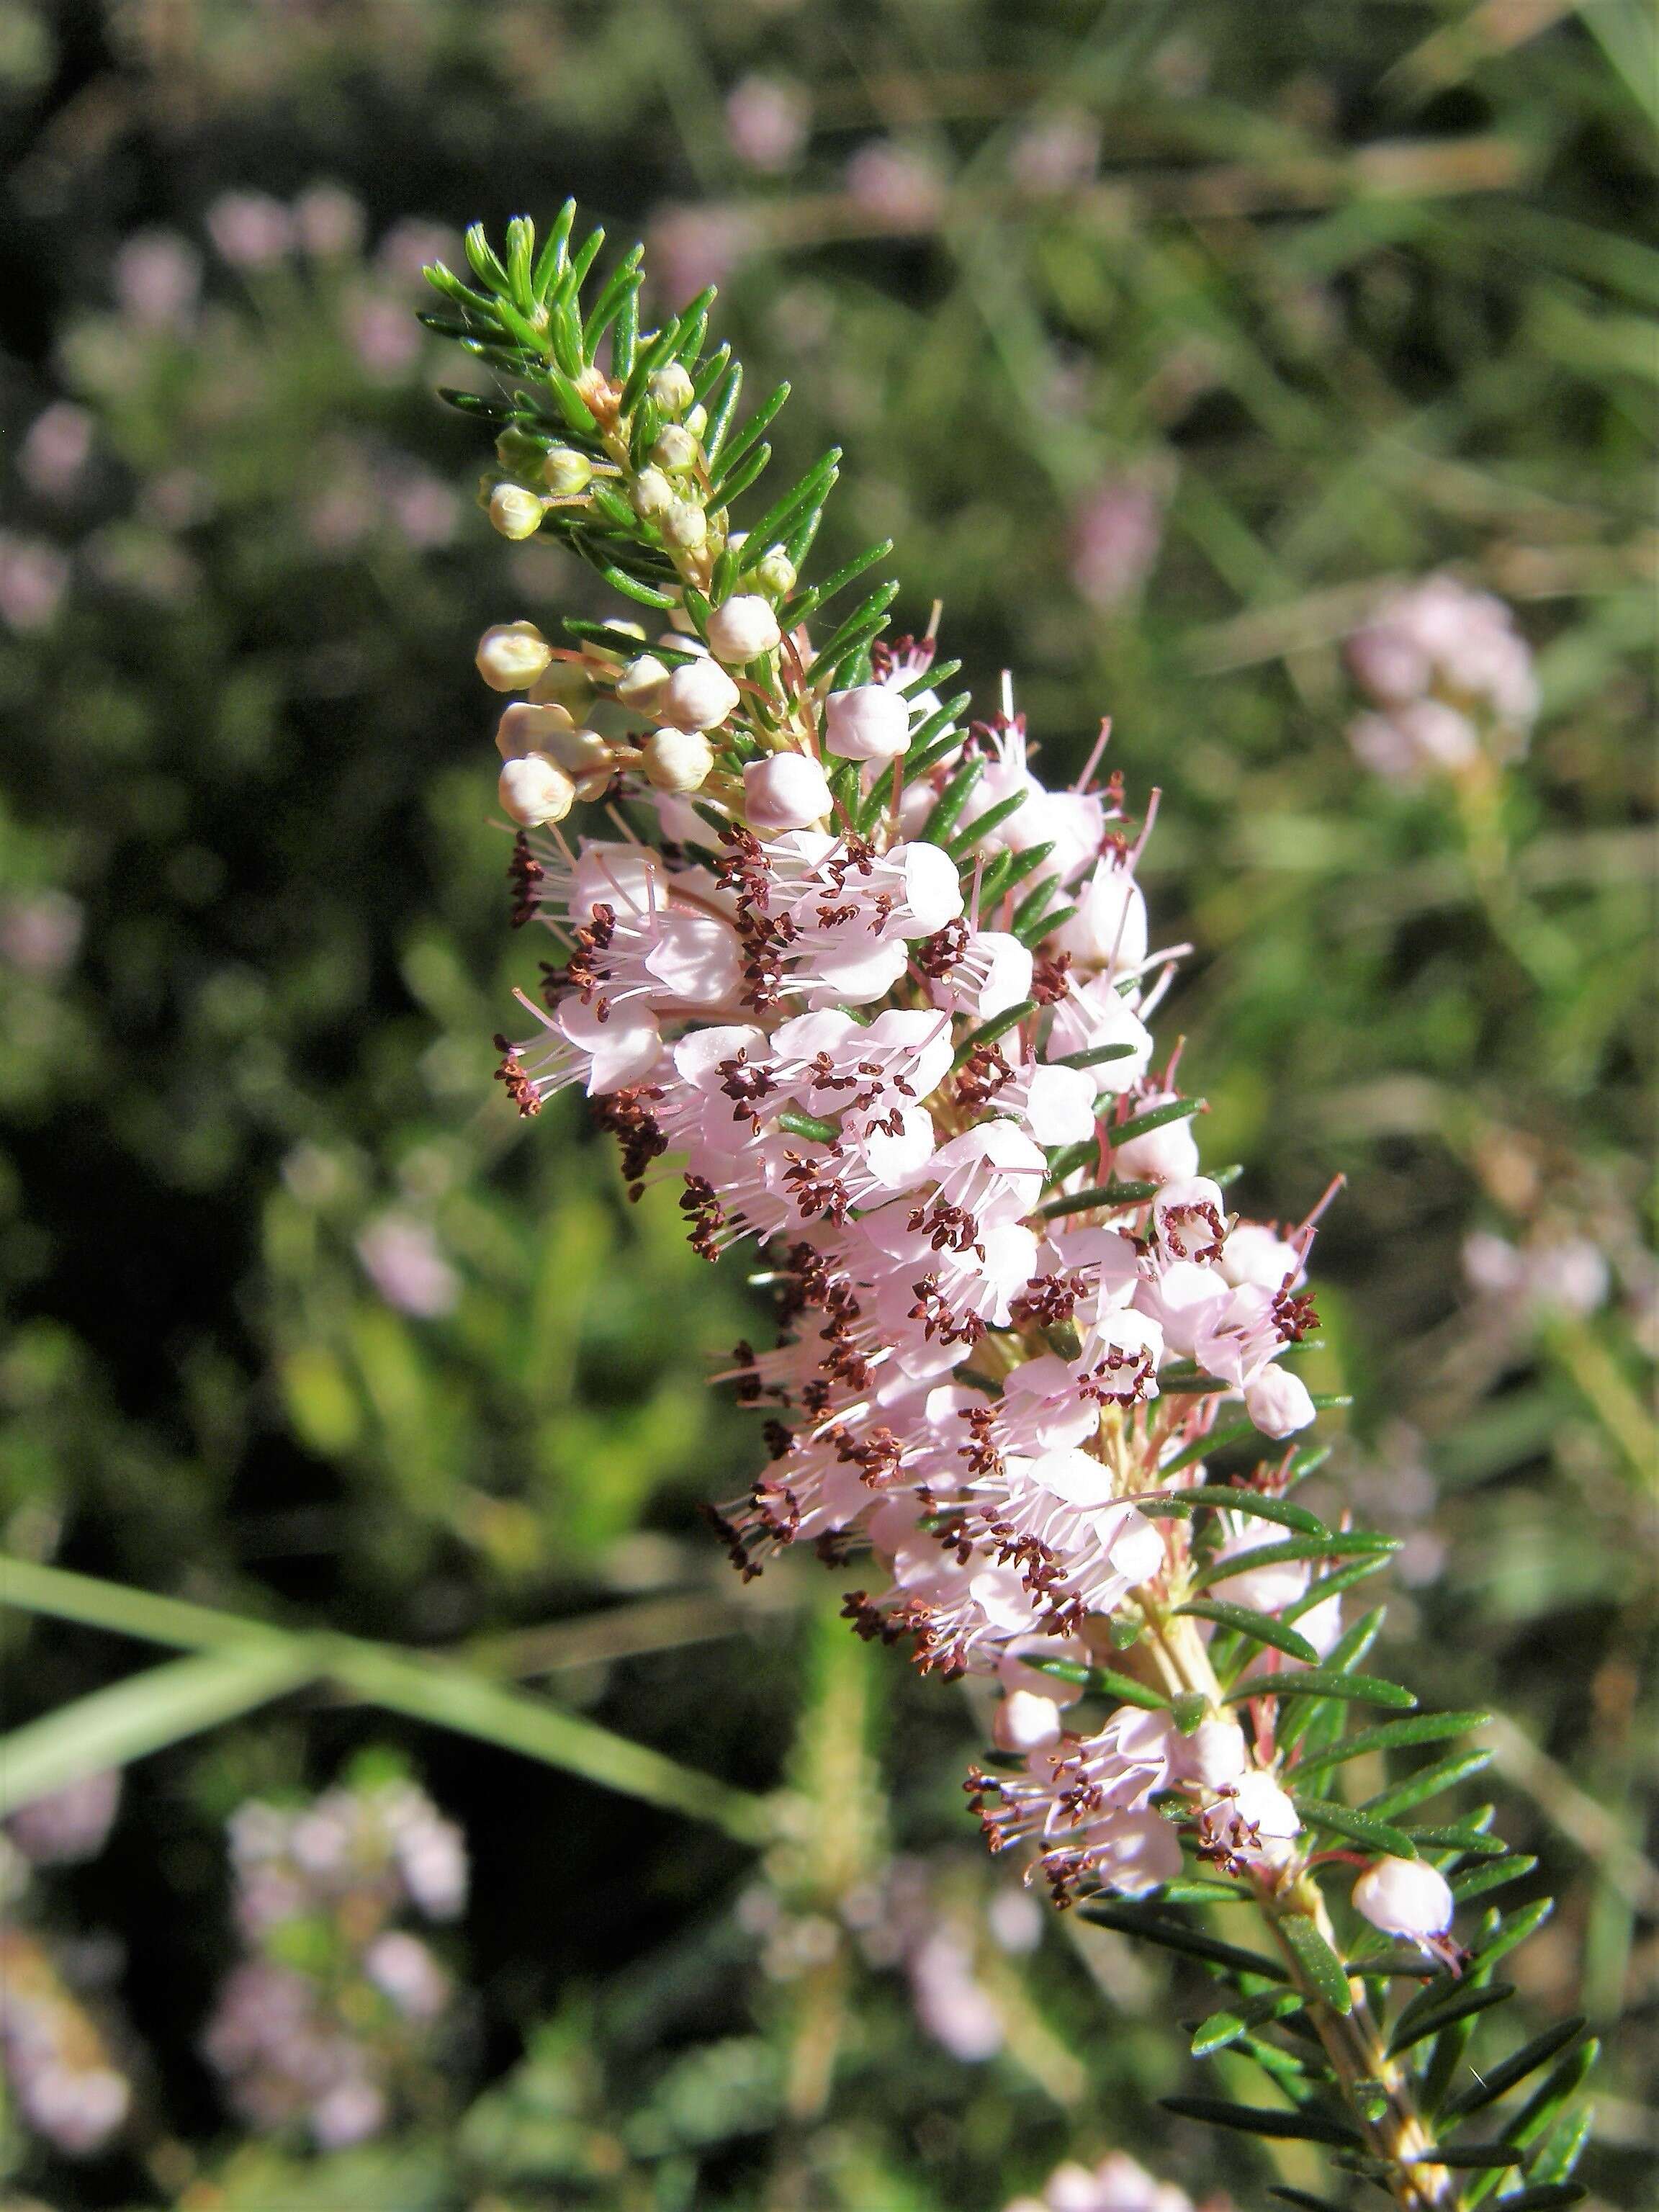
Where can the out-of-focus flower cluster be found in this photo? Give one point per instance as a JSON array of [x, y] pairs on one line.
[[64, 2074], [335, 2017], [1118, 2183], [1451, 678]]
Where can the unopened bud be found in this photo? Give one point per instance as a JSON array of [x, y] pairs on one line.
[[521, 451], [582, 753], [741, 629], [776, 574], [653, 493], [535, 790], [515, 511], [697, 696], [563, 683], [565, 472], [787, 792], [512, 655], [685, 524], [1405, 1896], [672, 388], [697, 421], [642, 682], [676, 450], [869, 722], [524, 729], [677, 760]]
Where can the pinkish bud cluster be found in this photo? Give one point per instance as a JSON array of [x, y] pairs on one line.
[[326, 2032], [1451, 678]]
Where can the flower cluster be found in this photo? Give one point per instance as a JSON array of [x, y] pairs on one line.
[[63, 2075], [840, 964], [1451, 679], [334, 2011], [1118, 2183]]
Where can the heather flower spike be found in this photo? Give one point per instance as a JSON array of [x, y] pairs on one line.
[[834, 959]]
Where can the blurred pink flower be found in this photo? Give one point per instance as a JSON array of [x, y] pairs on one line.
[[1056, 153], [895, 184], [33, 577], [158, 277], [385, 336], [250, 230], [409, 245], [329, 221], [767, 120], [425, 509], [70, 1824], [692, 247], [401, 1258], [41, 932], [56, 448], [1116, 534]]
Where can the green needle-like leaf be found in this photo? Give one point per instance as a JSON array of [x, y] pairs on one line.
[[1234, 2020], [1486, 2090], [1324, 1682], [1327, 1975], [1359, 1828], [1259, 1627], [1153, 1927], [1267, 2120]]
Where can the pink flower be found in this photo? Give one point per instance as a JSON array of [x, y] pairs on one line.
[[1405, 1896], [401, 1257], [767, 121], [250, 230]]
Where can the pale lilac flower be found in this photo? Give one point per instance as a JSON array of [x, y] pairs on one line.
[[1117, 2185], [33, 578], [692, 247], [329, 221], [1057, 152], [55, 449], [70, 1824], [385, 336], [158, 279], [1451, 677], [41, 932], [250, 230], [1116, 535], [413, 245], [767, 121], [898, 187], [402, 1258]]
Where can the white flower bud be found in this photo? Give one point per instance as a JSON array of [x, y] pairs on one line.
[[565, 472], [869, 722], [535, 790], [685, 524], [1277, 1402], [515, 511], [677, 760], [787, 792], [512, 655], [525, 729], [642, 682], [653, 493], [776, 574], [676, 450], [672, 388], [743, 629], [697, 696], [1405, 1896]]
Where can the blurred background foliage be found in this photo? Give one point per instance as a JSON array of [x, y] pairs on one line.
[[1166, 337]]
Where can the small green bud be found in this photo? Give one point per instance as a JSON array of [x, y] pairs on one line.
[[672, 389], [653, 493], [521, 451], [515, 511], [776, 574], [697, 421], [685, 524], [676, 450], [565, 472]]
